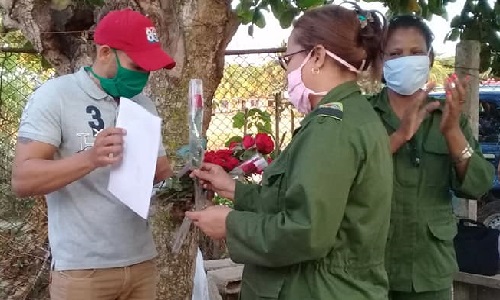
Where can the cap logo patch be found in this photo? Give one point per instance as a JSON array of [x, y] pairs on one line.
[[151, 35]]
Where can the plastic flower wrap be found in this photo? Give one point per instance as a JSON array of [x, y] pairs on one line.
[[195, 155]]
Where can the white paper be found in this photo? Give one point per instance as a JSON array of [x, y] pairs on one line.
[[132, 181]]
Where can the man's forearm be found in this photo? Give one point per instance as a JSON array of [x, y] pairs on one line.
[[40, 177]]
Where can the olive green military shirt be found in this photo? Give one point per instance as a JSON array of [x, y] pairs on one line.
[[420, 252], [317, 226]]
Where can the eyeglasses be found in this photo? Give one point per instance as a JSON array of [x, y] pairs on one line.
[[284, 60]]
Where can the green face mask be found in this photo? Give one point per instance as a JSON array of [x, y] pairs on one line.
[[126, 83]]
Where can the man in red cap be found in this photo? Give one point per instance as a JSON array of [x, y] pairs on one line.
[[67, 144]]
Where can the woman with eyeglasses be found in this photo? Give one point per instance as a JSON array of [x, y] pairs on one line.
[[316, 228], [434, 153]]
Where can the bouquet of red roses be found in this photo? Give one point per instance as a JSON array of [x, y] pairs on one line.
[[247, 156]]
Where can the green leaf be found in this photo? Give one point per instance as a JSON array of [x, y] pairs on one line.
[[484, 8], [494, 40], [304, 4], [248, 154], [258, 19], [235, 138], [425, 10], [485, 58], [453, 35], [277, 8], [245, 14], [264, 4], [287, 17], [245, 5], [456, 22], [471, 32], [434, 5], [239, 120], [264, 127]]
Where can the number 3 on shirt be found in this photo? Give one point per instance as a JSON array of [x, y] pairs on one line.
[[97, 123]]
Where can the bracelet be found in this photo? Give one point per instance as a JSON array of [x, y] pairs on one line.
[[464, 155]]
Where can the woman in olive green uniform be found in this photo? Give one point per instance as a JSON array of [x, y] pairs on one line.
[[434, 153], [317, 226]]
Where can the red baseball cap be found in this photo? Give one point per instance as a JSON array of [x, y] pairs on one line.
[[135, 34]]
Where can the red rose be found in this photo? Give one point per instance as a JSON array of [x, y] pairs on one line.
[[209, 157], [224, 152], [223, 158], [264, 143], [248, 141], [230, 163], [269, 160], [249, 168]]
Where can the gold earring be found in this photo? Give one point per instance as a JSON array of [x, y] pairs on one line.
[[315, 71]]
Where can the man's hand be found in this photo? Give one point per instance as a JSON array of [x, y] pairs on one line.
[[108, 147], [214, 178], [212, 220]]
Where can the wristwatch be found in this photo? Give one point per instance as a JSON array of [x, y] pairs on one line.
[[464, 155]]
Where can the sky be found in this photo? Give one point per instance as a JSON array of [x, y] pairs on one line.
[[273, 36]]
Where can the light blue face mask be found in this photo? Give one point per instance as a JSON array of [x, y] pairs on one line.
[[406, 75]]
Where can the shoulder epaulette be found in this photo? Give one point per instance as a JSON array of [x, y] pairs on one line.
[[333, 110]]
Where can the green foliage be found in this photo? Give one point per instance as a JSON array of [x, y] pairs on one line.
[[233, 139], [254, 118], [285, 11], [176, 189], [250, 11], [425, 8], [480, 21], [218, 200]]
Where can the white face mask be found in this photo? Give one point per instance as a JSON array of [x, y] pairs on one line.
[[297, 90], [406, 75]]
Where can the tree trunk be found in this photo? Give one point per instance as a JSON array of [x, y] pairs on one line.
[[467, 61], [194, 32]]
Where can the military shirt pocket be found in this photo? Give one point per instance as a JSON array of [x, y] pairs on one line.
[[439, 257], [443, 231], [436, 162], [261, 283], [273, 184]]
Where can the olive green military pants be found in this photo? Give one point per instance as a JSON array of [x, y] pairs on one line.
[[431, 295]]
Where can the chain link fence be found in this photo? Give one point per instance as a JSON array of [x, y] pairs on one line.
[[23, 226], [253, 84]]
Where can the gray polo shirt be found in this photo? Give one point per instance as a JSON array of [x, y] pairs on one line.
[[88, 226]]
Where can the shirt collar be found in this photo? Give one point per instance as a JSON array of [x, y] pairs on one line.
[[337, 94], [381, 104], [89, 86]]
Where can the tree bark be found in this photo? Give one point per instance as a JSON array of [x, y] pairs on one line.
[[194, 32], [467, 62]]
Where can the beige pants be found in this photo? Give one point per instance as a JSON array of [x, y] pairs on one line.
[[136, 282]]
